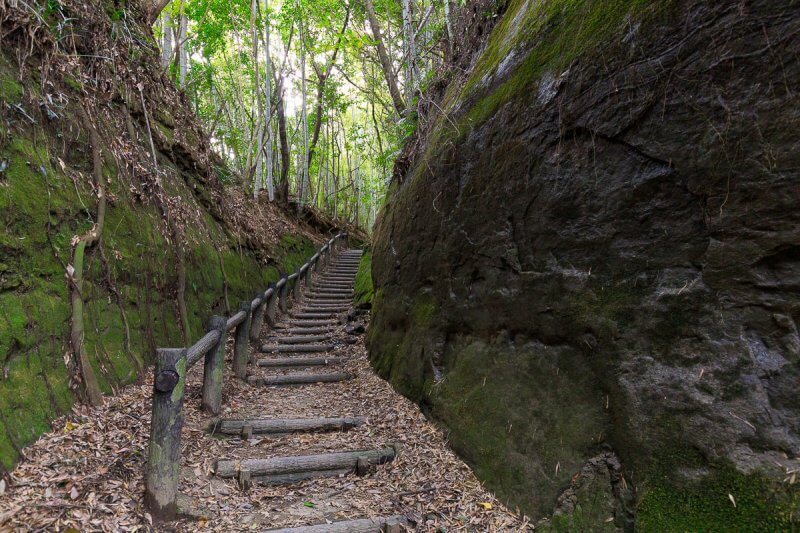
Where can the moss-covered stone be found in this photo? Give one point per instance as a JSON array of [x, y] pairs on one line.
[[721, 499], [129, 298], [364, 291]]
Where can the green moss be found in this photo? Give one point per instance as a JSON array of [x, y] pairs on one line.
[[516, 412], [10, 89], [72, 83], [364, 290], [423, 309], [293, 251], [551, 34], [668, 503]]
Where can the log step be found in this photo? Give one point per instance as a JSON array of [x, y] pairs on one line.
[[334, 292], [325, 308], [388, 524], [305, 348], [306, 331], [285, 425], [299, 379], [227, 468], [300, 361], [309, 322], [302, 339], [307, 314], [325, 296]]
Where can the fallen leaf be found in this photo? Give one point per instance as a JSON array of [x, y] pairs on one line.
[[732, 500], [486, 505], [73, 494]]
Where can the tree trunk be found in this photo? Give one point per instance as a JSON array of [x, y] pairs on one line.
[[282, 192], [268, 103], [409, 51], [257, 107], [386, 63], [182, 54], [303, 120], [166, 40]]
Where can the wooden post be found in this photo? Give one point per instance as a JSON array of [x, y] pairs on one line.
[[272, 307], [241, 348], [213, 368], [163, 455], [284, 295], [257, 319], [298, 288], [244, 480]]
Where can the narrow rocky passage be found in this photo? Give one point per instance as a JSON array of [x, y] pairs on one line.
[[275, 457]]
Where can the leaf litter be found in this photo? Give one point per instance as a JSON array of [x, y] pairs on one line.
[[88, 475]]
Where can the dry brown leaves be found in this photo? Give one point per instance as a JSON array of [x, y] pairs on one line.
[[88, 473]]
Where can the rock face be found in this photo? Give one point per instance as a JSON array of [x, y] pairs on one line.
[[596, 261], [53, 81]]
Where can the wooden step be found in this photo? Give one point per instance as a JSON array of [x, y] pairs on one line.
[[261, 426], [309, 322], [302, 339], [325, 296], [308, 314], [300, 361], [335, 290], [288, 348], [306, 331], [295, 468], [388, 524], [325, 308], [299, 379]]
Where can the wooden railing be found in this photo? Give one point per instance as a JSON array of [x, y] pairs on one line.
[[172, 364]]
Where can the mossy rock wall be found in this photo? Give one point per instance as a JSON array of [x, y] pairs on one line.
[[130, 278], [595, 254]]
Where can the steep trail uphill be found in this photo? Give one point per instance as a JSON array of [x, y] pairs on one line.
[[312, 440]]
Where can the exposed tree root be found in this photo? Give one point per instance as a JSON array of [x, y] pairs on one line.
[[91, 387]]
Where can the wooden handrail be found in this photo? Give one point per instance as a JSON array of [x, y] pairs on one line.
[[172, 364]]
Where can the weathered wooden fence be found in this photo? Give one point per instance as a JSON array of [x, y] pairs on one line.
[[172, 364]]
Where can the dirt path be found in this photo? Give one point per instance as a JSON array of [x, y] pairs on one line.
[[88, 475]]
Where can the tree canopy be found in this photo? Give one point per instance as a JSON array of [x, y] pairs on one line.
[[307, 100]]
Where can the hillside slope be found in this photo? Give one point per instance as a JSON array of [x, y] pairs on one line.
[[99, 151], [588, 273]]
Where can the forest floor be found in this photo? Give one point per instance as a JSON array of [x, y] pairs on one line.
[[88, 473]]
